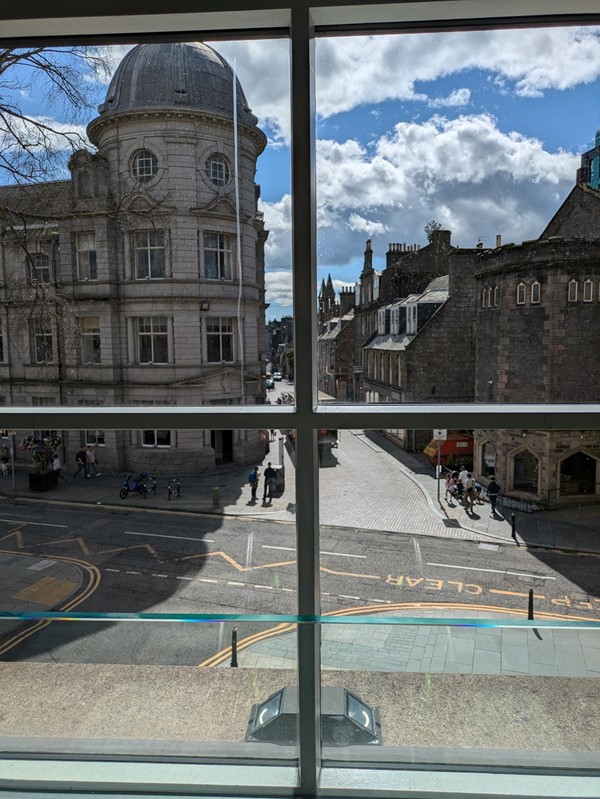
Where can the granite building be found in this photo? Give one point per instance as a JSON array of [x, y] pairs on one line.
[[140, 280]]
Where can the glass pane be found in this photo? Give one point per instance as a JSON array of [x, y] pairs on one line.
[[449, 204], [151, 229], [485, 543]]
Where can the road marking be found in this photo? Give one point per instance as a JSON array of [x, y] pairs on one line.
[[323, 552], [514, 593], [289, 590], [345, 596], [491, 571], [208, 580], [159, 575], [184, 578], [38, 524], [267, 587], [230, 582], [132, 572], [160, 535], [112, 570]]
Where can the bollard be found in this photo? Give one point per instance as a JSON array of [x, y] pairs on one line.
[[513, 533], [234, 662], [154, 486], [216, 497], [178, 488], [530, 606]]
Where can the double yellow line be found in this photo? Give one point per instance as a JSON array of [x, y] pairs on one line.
[[94, 576], [281, 629]]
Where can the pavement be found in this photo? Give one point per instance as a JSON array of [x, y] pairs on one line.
[[368, 484]]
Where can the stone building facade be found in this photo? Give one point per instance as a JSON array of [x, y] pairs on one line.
[[142, 276]]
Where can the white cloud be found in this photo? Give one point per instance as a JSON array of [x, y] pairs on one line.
[[460, 97], [360, 224], [278, 221], [279, 292]]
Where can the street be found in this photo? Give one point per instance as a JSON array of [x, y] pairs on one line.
[[185, 563]]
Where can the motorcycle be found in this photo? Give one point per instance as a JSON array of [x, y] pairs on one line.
[[135, 485]]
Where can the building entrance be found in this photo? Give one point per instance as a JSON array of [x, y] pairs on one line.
[[222, 443], [578, 475]]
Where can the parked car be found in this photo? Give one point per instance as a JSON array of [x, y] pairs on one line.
[[270, 383], [277, 376]]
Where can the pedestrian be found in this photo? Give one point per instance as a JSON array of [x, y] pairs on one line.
[[450, 486], [493, 490], [57, 466], [269, 476], [478, 492], [463, 474], [4, 460], [469, 492], [91, 461], [81, 461], [272, 432], [253, 480]]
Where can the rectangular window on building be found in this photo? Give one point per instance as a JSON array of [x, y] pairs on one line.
[[218, 256], [495, 296], [90, 339], [153, 339], [39, 264], [156, 438], [588, 291], [572, 292], [521, 294], [1, 346], [219, 339], [42, 343], [535, 293], [149, 254], [94, 438], [85, 249]]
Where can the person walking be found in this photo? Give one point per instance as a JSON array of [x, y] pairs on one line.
[[469, 492], [269, 476], [4, 460], [450, 486], [253, 480], [463, 474], [92, 463], [81, 461], [493, 490], [57, 466]]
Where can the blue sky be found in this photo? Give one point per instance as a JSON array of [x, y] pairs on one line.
[[480, 131]]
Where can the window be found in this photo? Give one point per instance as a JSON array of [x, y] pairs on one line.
[[572, 291], [85, 249], [1, 346], [93, 438], [43, 351], [40, 268], [219, 339], [526, 472], [156, 438], [588, 291], [217, 256], [495, 296], [153, 339], [484, 298], [149, 254], [488, 459], [217, 170], [535, 292], [90, 339], [144, 166], [43, 402], [521, 294]]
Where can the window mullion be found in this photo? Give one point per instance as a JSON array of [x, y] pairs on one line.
[[307, 498]]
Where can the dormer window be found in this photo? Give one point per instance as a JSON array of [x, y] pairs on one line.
[[535, 292], [572, 291], [521, 294], [588, 291]]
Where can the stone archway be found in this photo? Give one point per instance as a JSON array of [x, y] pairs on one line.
[[577, 474]]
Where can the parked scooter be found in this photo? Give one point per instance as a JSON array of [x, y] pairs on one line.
[[135, 485]]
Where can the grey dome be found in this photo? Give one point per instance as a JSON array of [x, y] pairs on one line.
[[183, 75]]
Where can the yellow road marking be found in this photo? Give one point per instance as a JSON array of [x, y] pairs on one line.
[[18, 535], [350, 574], [233, 562], [219, 657], [46, 591]]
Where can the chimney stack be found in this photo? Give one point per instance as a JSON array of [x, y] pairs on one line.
[[498, 240]]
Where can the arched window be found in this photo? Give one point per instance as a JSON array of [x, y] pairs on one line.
[[588, 291], [526, 472], [572, 292], [578, 474], [521, 294], [40, 268], [483, 298], [217, 170], [488, 459], [535, 292], [495, 296], [144, 166]]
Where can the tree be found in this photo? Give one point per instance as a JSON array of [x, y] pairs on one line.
[[32, 147], [430, 228]]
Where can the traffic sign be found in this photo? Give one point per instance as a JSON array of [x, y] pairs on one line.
[[440, 435]]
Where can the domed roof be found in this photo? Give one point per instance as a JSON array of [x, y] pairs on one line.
[[183, 75]]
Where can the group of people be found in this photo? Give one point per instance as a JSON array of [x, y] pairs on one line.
[[463, 487], [269, 479], [86, 461]]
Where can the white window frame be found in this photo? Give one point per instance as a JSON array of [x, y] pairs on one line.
[[40, 265], [144, 166], [141, 242], [521, 293], [155, 330], [86, 256], [88, 336], [572, 291], [155, 444], [217, 170], [224, 251], [536, 292], [588, 291], [210, 323], [495, 296], [306, 417], [40, 333]]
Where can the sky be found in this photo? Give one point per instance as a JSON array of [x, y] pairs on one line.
[[481, 131]]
